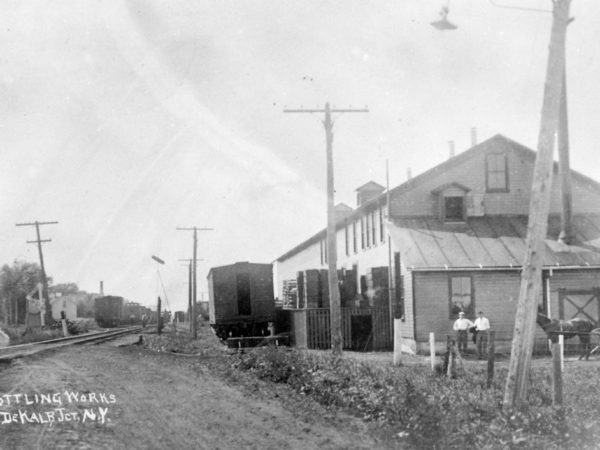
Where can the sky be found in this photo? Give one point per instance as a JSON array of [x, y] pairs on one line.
[[125, 119]]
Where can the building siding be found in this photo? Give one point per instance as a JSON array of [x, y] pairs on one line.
[[496, 293]]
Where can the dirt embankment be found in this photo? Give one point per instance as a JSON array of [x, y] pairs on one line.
[[160, 401]]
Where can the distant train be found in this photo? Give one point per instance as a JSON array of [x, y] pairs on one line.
[[241, 301], [113, 311], [108, 311]]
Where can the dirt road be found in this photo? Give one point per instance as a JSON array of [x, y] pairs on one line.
[[112, 397]]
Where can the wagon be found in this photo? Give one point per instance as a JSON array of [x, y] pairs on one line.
[[241, 300]]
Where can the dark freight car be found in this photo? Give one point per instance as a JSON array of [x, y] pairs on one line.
[[108, 311], [241, 299]]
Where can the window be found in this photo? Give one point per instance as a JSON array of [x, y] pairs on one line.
[[381, 225], [461, 296], [363, 232], [373, 228], [347, 239], [323, 251], [354, 237], [368, 223], [496, 172], [454, 209]]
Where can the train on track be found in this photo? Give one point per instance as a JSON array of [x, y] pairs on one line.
[[108, 311], [113, 311], [241, 301]]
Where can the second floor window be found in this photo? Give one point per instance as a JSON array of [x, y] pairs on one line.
[[496, 172]]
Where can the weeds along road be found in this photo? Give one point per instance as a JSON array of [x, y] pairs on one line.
[[109, 397]]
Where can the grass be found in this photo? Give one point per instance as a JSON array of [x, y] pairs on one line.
[[434, 412], [19, 335]]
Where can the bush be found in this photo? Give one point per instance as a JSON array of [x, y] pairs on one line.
[[431, 411]]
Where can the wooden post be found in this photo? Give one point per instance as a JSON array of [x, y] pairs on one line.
[[557, 397], [432, 350], [397, 342], [517, 381], [491, 357], [158, 318], [561, 343]]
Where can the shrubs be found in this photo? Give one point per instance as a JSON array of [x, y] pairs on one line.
[[428, 410]]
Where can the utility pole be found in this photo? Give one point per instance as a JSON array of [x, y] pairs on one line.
[[194, 265], [39, 241], [190, 288], [334, 290], [515, 393], [564, 169], [391, 291]]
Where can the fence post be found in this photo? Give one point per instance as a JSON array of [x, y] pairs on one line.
[[557, 397], [397, 342], [432, 350], [491, 357], [561, 343]]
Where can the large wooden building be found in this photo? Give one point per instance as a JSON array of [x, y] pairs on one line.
[[456, 236]]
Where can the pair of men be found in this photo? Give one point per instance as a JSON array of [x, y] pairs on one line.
[[482, 329]]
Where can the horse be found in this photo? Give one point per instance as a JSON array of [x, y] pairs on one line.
[[568, 328]]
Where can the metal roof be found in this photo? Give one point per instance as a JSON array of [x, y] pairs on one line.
[[491, 242]]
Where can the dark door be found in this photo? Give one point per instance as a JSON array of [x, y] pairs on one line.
[[361, 330], [243, 294]]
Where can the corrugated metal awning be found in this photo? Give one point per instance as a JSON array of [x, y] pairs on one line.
[[491, 242]]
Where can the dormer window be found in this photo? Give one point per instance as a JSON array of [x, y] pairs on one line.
[[451, 202], [454, 209]]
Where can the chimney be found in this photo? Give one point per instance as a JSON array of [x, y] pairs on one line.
[[451, 148], [408, 173], [473, 137], [102, 288]]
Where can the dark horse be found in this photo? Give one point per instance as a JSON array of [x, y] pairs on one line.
[[568, 328]]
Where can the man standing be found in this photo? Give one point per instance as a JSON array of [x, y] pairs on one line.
[[482, 326], [461, 326]]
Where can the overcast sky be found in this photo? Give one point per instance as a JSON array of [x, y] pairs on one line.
[[123, 120]]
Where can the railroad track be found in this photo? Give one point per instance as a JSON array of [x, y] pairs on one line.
[[17, 351]]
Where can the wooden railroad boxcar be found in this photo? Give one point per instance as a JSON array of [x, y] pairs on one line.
[[108, 311], [241, 301]]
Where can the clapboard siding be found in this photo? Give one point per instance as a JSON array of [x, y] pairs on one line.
[[494, 292]]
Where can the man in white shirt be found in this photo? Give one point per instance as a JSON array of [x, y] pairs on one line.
[[482, 327], [461, 326]]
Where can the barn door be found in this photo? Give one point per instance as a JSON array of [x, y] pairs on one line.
[[583, 303]]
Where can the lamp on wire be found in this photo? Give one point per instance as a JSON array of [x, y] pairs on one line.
[[444, 23]]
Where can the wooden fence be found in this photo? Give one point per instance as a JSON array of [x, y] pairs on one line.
[[362, 328]]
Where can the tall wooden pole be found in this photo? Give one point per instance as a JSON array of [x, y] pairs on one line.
[[39, 242], [334, 291], [515, 394], [190, 295], [193, 262], [194, 290], [564, 169]]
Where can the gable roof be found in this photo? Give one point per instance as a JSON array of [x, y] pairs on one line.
[[370, 186], [484, 146], [491, 242]]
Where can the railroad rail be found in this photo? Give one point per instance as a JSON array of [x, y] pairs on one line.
[[17, 351]]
